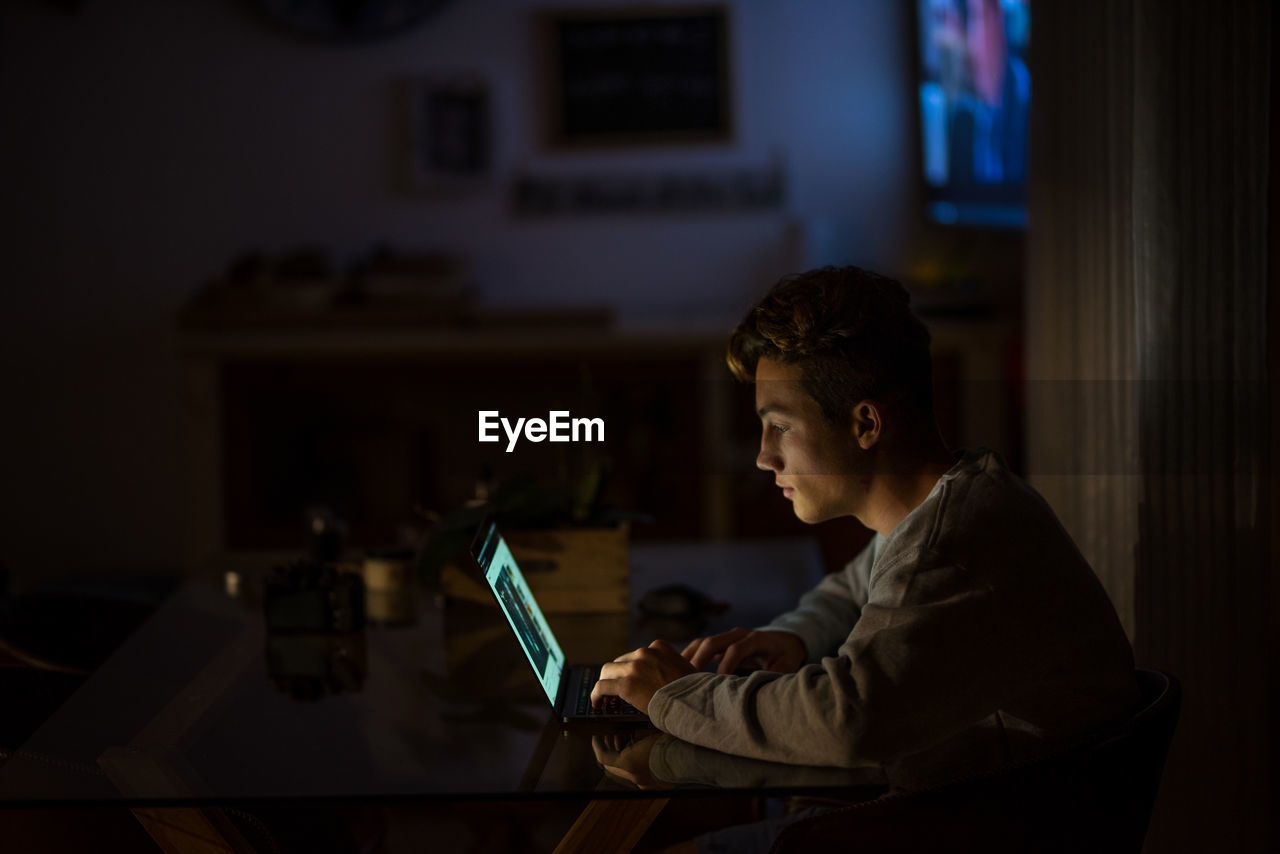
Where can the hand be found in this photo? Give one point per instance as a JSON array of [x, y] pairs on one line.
[[625, 758], [637, 676], [780, 652]]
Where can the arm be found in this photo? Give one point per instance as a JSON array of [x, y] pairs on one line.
[[654, 760], [677, 762], [829, 611], [918, 666], [815, 628], [824, 616]]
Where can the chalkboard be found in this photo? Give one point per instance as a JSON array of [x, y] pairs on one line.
[[627, 76]]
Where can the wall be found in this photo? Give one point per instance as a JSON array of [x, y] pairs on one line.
[[146, 143]]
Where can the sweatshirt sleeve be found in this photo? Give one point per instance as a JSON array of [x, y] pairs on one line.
[[680, 763], [917, 667], [826, 613]]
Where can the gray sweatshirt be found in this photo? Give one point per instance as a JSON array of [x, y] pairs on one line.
[[976, 617]]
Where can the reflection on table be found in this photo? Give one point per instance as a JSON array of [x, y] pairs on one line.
[[203, 704]]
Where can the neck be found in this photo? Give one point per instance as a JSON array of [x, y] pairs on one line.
[[900, 483]]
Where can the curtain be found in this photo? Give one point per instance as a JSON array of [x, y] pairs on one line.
[[1148, 392]]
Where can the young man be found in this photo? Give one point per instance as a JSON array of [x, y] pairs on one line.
[[970, 615]]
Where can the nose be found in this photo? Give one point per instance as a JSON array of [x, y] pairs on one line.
[[768, 459]]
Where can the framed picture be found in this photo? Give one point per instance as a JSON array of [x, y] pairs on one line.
[[618, 76], [450, 138]]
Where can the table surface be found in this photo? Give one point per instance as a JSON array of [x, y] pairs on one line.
[[192, 708]]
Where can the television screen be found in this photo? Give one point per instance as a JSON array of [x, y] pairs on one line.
[[975, 97]]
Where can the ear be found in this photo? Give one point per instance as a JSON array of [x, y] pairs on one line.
[[867, 423]]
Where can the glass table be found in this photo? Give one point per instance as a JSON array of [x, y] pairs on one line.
[[203, 708]]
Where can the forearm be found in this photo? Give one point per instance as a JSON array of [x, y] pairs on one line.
[[811, 717], [673, 760], [905, 678], [823, 618]]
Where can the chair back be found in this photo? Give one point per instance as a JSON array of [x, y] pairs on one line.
[[1094, 798]]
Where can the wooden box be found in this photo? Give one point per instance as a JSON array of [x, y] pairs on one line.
[[569, 570]]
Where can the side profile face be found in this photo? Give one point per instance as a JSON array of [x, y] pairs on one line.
[[817, 464]]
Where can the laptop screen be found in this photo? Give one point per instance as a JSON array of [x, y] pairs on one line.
[[518, 604]]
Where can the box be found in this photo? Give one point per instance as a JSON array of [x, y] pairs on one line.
[[569, 570]]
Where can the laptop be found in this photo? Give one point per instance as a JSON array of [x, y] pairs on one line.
[[568, 689]]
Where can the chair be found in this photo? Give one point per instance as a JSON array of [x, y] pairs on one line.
[[1096, 798]]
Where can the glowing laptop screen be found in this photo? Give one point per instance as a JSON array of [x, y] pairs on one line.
[[520, 608]]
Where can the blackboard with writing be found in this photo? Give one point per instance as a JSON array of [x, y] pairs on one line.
[[635, 76]]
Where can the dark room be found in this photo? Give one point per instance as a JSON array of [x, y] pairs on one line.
[[638, 425]]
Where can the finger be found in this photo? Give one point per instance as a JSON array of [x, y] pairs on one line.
[[706, 652], [604, 755], [689, 651], [662, 645], [612, 669], [713, 646], [609, 681], [708, 649], [734, 655], [628, 656], [605, 688], [620, 773], [612, 673]]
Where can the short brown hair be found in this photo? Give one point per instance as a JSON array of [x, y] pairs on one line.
[[853, 334]]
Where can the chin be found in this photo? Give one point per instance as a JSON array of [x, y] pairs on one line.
[[809, 517], [813, 515]]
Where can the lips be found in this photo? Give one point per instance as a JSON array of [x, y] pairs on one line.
[[787, 491]]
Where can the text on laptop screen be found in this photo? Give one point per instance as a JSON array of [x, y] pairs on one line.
[[518, 604]]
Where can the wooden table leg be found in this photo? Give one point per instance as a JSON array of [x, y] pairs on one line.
[[611, 825], [192, 830]]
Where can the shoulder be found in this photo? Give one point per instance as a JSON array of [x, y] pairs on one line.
[[980, 514], [981, 490]]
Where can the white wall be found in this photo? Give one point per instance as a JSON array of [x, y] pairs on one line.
[[145, 143]]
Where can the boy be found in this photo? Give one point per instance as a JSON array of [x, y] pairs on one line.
[[970, 613]]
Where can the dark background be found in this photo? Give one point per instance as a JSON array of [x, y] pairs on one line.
[[146, 145]]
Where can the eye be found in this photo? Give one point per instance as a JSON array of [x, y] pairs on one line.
[[780, 428]]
